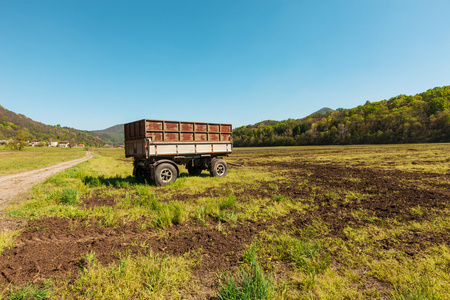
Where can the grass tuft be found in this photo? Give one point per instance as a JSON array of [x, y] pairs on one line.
[[30, 291], [251, 284], [228, 203], [7, 239], [69, 196]]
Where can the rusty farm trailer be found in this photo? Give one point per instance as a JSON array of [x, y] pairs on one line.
[[158, 147]]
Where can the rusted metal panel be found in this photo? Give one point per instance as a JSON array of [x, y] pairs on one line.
[[201, 137], [187, 127], [199, 127], [225, 129], [225, 137], [214, 137], [154, 125], [156, 136], [171, 137], [171, 126], [213, 128], [187, 137]]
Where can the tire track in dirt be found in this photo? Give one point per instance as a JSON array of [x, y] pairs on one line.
[[16, 184]]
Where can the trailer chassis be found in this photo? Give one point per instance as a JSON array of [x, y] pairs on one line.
[[164, 170]]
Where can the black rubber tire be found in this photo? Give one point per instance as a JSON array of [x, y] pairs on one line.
[[193, 170], [165, 174], [218, 168]]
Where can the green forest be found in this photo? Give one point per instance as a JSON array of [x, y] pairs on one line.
[[421, 118], [13, 125]]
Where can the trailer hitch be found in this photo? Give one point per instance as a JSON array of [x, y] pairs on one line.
[[234, 164]]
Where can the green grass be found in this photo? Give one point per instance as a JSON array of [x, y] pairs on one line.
[[29, 291], [35, 157], [7, 239], [146, 276], [69, 196], [246, 285], [249, 282]]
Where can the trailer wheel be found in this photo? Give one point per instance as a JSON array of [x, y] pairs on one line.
[[193, 170], [219, 168], [165, 173]]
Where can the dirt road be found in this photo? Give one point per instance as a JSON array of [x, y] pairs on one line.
[[14, 185]]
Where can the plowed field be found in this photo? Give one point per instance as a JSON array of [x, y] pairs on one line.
[[375, 219]]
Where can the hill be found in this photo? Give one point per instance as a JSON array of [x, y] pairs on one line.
[[11, 124], [421, 118], [322, 111], [113, 135]]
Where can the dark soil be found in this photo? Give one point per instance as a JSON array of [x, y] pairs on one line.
[[98, 200], [52, 247]]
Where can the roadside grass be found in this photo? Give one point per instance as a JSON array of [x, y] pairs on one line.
[[283, 261], [36, 157]]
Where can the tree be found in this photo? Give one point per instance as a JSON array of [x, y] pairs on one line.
[[19, 142], [438, 104]]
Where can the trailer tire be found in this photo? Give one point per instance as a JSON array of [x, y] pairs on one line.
[[218, 168], [165, 174], [193, 170]]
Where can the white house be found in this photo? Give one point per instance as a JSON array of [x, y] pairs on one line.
[[63, 144]]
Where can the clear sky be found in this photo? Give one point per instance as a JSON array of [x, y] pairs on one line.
[[94, 64]]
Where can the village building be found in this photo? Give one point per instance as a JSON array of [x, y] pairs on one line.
[[34, 143], [63, 144]]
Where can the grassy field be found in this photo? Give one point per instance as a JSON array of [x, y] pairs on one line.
[[332, 222], [35, 157]]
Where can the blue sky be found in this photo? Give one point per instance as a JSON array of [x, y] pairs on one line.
[[94, 64]]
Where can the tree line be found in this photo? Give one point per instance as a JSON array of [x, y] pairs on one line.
[[421, 118]]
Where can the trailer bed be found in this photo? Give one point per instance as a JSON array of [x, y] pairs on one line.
[[152, 138]]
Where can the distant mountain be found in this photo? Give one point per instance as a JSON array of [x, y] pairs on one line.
[[113, 135], [323, 111], [421, 118], [12, 123]]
